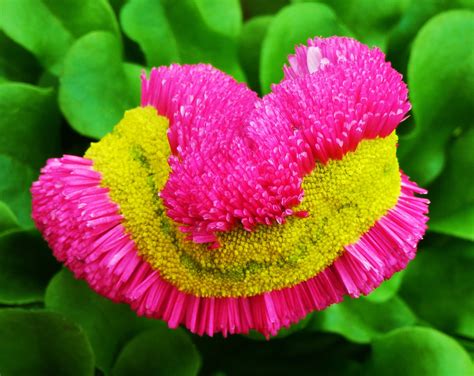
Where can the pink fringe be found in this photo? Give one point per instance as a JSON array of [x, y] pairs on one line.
[[85, 231]]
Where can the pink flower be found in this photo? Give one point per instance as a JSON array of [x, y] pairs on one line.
[[211, 208]]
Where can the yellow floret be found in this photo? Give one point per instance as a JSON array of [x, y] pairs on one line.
[[344, 199]]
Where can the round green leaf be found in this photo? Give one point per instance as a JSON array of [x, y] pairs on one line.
[[387, 289], [132, 75], [107, 324], [294, 25], [360, 320], [419, 351], [17, 63], [59, 23], [370, 20], [145, 22], [252, 8], [224, 16], [438, 286], [416, 14], [250, 44], [26, 266], [29, 125], [441, 82], [15, 186], [31, 24], [197, 41], [159, 352], [452, 194], [8, 220], [42, 343], [94, 91], [83, 16]]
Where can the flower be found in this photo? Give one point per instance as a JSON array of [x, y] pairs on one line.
[[211, 208]]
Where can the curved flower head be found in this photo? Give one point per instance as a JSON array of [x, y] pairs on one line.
[[211, 208]]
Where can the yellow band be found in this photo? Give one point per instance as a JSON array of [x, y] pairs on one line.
[[344, 199]]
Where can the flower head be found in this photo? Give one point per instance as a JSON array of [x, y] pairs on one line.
[[214, 209]]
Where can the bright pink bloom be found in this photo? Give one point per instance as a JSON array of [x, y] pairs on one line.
[[238, 160]]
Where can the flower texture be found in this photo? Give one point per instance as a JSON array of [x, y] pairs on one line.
[[215, 209]]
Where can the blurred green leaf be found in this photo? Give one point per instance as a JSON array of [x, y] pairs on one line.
[[16, 63], [441, 80], [223, 16], [211, 37], [438, 286], [370, 20], [26, 266], [31, 24], [42, 343], [250, 45], [132, 75], [252, 8], [47, 28], [80, 17], [200, 43], [294, 25], [159, 351], [145, 22], [108, 325], [387, 289], [452, 194], [15, 188], [29, 125], [284, 332], [361, 320], [8, 220], [414, 17], [94, 91], [419, 351]]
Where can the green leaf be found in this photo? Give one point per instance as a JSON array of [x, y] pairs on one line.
[[293, 25], [438, 286], [83, 16], [370, 20], [419, 351], [94, 91], [284, 332], [8, 220], [452, 194], [16, 63], [252, 8], [15, 188], [42, 343], [223, 17], [26, 266], [441, 80], [47, 28], [361, 321], [416, 14], [200, 43], [108, 325], [145, 22], [165, 35], [159, 352], [29, 125], [31, 24], [387, 289], [132, 75], [250, 45]]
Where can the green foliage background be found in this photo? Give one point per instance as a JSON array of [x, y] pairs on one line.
[[69, 69]]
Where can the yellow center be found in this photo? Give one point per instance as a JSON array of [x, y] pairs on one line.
[[343, 198]]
